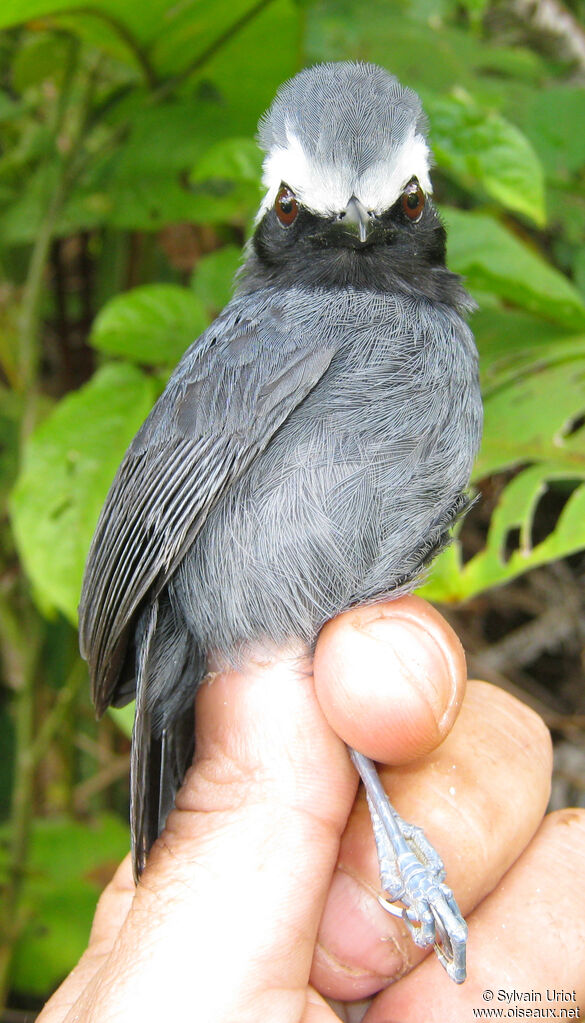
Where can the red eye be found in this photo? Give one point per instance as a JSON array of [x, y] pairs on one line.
[[413, 200], [286, 206]]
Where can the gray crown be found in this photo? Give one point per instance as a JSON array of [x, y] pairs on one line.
[[357, 109]]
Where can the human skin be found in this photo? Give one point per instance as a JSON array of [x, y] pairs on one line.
[[260, 897]]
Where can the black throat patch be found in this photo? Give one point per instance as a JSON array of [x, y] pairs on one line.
[[314, 252]]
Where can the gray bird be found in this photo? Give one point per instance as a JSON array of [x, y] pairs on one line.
[[310, 453]]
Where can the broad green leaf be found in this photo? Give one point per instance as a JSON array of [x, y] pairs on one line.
[[213, 278], [42, 56], [554, 122], [152, 324], [190, 28], [26, 208], [534, 419], [225, 182], [337, 29], [234, 159], [144, 183], [124, 718], [142, 19], [69, 464], [512, 343], [480, 146], [432, 57], [514, 516], [493, 259], [161, 40], [246, 70], [70, 865]]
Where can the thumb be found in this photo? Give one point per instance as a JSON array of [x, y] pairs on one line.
[[226, 914]]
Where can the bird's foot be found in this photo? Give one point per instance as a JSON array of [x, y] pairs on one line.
[[412, 873], [415, 877]]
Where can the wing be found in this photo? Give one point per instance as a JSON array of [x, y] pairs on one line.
[[231, 392]]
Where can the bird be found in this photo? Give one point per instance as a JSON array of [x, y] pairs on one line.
[[309, 454]]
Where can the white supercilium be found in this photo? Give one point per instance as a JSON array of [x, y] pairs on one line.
[[325, 189]]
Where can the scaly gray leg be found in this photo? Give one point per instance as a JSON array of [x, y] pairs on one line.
[[412, 872]]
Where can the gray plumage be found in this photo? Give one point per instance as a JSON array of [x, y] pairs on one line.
[[309, 453], [356, 113]]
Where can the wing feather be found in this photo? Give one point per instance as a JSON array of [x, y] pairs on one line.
[[232, 391]]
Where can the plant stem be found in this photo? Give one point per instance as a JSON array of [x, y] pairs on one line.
[[20, 645], [31, 300], [32, 294], [21, 642], [58, 713]]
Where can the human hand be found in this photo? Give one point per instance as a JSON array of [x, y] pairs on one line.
[[261, 895]]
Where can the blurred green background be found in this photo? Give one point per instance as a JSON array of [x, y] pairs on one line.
[[129, 178]]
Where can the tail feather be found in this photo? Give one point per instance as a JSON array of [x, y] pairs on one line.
[[162, 745]]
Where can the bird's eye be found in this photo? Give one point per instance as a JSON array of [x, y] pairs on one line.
[[286, 206], [413, 200]]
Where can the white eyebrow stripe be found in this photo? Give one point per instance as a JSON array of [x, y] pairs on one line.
[[325, 190]]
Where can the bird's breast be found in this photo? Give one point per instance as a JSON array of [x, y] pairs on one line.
[[356, 487]]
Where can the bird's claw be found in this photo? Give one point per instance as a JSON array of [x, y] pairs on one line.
[[412, 874], [432, 916]]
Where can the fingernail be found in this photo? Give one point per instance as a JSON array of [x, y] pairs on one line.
[[421, 659]]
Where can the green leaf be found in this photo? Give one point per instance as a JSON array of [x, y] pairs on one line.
[[514, 517], [142, 19], [226, 182], [246, 70], [68, 466], [512, 343], [42, 56], [479, 146], [493, 259], [124, 718], [431, 56], [337, 29], [533, 420], [553, 121], [26, 209], [144, 183], [69, 866], [152, 324], [213, 278]]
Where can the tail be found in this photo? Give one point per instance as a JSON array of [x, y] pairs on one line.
[[168, 672]]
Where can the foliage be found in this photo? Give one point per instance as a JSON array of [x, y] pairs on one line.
[[127, 159], [69, 863]]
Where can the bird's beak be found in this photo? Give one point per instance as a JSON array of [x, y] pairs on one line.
[[356, 219]]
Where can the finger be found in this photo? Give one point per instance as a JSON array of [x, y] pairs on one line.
[[112, 910], [390, 678], [227, 910], [479, 797], [526, 942]]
